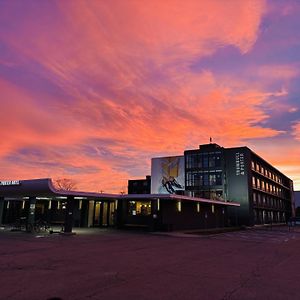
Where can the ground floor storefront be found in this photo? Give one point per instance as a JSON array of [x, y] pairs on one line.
[[31, 201], [150, 214], [166, 214], [88, 213]]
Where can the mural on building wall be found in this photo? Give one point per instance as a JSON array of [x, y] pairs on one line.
[[167, 175]]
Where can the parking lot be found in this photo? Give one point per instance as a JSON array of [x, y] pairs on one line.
[[275, 235], [109, 264]]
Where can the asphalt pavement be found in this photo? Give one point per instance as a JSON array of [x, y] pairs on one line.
[[111, 264]]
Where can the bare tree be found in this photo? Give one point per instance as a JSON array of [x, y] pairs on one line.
[[64, 184]]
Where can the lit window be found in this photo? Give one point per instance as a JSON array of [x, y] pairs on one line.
[[253, 181], [141, 208], [178, 206], [212, 208], [212, 179], [258, 183]]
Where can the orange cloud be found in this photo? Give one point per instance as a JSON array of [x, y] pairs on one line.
[[126, 90]]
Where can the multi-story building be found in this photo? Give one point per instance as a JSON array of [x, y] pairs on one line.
[[239, 174]]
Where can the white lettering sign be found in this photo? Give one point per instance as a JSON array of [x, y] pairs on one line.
[[239, 164], [10, 182]]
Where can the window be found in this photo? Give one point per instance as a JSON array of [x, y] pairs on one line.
[[258, 183], [142, 208], [199, 161], [193, 160], [212, 179], [258, 199], [188, 161], [254, 198], [257, 167], [205, 179], [253, 181], [178, 206], [218, 161], [219, 178], [212, 162], [205, 161]]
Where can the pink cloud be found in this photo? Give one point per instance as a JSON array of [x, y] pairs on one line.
[[272, 72], [296, 130], [127, 89]]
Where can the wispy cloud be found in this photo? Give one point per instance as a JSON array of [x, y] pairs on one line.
[[105, 85]]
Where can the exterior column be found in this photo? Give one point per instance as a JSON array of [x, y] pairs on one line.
[[31, 214], [1, 209], [121, 212], [69, 215], [154, 226], [84, 213]]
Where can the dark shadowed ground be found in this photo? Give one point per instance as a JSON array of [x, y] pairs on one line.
[[108, 264]]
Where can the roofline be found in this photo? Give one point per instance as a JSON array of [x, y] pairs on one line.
[[170, 156], [46, 189]]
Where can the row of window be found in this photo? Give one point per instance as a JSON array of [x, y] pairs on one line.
[[51, 204], [263, 216], [203, 179], [265, 186], [143, 208], [203, 160], [264, 171], [267, 201]]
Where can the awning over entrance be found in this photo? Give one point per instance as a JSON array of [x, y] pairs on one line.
[[42, 188]]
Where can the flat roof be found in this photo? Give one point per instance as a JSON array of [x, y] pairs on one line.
[[43, 188]]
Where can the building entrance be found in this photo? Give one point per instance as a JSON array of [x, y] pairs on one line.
[[101, 214]]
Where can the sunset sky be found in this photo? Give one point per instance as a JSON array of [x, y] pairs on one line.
[[91, 90]]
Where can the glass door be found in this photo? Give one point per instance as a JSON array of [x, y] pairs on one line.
[[97, 213]]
